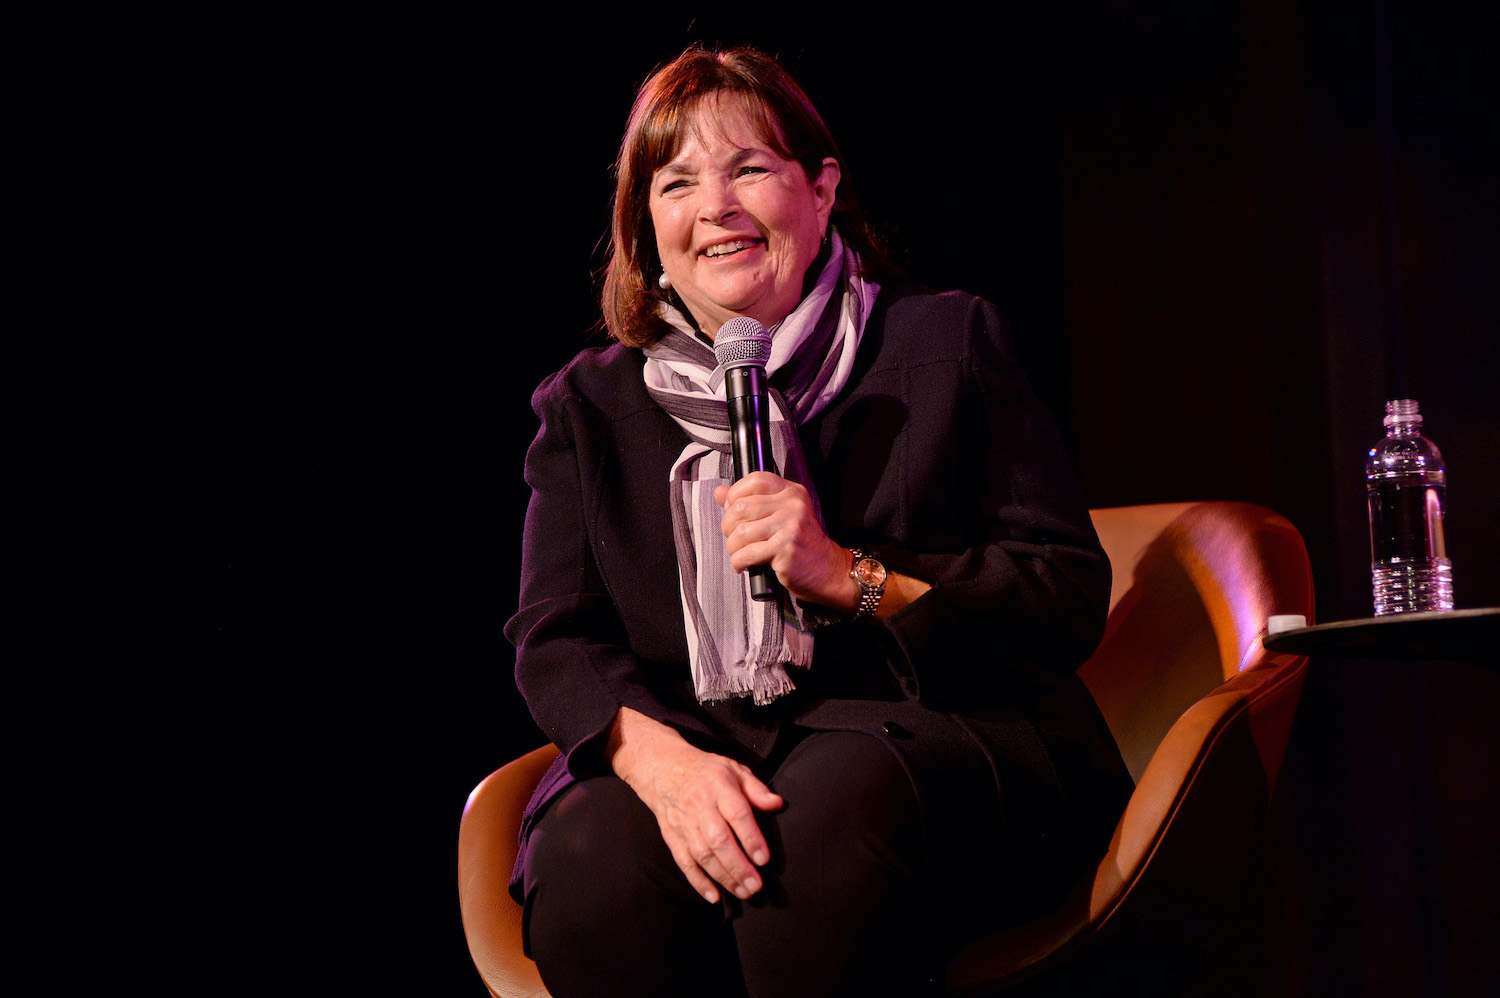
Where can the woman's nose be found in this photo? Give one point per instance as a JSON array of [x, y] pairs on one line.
[[718, 202]]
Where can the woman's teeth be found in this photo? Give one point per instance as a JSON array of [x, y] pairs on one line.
[[724, 249]]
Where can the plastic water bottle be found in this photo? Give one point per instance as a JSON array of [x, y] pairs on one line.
[[1407, 488]]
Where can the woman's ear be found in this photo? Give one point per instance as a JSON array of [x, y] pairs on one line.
[[826, 187]]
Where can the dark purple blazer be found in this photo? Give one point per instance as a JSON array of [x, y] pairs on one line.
[[938, 457]]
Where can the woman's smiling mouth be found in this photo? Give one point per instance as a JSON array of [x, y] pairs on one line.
[[731, 247]]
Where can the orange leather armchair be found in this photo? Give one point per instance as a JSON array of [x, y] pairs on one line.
[[1201, 712]]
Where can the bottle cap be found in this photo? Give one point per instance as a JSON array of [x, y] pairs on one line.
[[1278, 622]]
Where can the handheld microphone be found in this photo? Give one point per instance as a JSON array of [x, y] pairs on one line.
[[742, 348]]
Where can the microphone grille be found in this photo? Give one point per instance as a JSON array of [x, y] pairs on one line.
[[742, 342]]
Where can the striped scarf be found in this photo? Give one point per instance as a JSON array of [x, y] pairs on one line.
[[738, 646]]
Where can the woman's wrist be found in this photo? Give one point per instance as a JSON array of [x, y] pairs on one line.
[[631, 735], [901, 591], [841, 592], [895, 591]]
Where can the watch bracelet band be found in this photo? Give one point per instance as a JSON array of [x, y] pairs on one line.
[[869, 596]]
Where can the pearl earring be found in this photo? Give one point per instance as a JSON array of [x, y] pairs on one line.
[[664, 282]]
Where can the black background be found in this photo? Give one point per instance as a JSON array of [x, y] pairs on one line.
[[1225, 234]]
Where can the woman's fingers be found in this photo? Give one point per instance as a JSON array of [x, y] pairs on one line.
[[704, 803], [710, 852], [746, 828], [706, 812], [769, 520], [736, 840], [719, 853], [757, 496], [702, 882]]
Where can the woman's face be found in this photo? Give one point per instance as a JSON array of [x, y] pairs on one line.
[[737, 226]]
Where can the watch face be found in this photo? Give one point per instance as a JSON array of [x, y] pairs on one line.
[[869, 572]]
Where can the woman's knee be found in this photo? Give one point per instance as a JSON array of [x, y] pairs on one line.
[[845, 885], [605, 902], [599, 848], [844, 787]]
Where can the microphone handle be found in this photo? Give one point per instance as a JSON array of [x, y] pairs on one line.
[[750, 447]]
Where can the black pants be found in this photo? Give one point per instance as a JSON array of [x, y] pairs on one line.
[[846, 909]]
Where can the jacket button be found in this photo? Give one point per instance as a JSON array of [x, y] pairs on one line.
[[895, 730]]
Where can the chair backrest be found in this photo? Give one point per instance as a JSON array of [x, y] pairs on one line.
[[1202, 713], [1193, 586]]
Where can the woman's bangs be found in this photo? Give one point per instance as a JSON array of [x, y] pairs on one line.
[[664, 131]]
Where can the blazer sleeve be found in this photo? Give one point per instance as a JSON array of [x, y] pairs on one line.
[[574, 666], [1020, 602]]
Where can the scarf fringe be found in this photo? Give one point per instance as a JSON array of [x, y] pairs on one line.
[[768, 685]]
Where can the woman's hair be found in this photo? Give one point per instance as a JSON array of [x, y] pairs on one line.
[[659, 122]]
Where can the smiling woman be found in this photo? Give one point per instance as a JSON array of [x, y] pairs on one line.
[[894, 753], [740, 104], [737, 223]]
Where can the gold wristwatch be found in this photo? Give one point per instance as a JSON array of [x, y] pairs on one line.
[[870, 574]]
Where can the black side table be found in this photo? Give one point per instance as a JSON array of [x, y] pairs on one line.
[[1445, 635], [1386, 807]]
